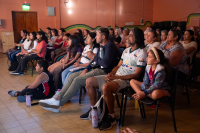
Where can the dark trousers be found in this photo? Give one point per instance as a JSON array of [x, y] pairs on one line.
[[24, 61], [13, 56], [36, 93]]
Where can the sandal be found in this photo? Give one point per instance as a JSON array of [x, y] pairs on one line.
[[12, 93]]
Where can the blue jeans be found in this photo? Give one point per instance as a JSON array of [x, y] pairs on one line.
[[13, 57], [66, 73]]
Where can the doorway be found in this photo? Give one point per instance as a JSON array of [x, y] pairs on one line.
[[24, 21]]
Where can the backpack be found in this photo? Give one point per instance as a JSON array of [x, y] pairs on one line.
[[102, 110]]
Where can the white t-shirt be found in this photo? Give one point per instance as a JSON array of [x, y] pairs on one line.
[[189, 45], [84, 58], [131, 60], [149, 46], [26, 44]]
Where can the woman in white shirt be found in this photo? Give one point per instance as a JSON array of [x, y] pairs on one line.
[[54, 33], [152, 40], [84, 60], [29, 44], [189, 44]]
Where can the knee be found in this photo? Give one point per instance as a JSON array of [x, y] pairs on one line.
[[154, 95], [105, 88], [89, 81]]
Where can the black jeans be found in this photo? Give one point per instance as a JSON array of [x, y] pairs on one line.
[[24, 60], [36, 93]]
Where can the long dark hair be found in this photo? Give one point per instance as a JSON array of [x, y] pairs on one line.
[[32, 40], [80, 38], [55, 31], [191, 34], [43, 36], [80, 31], [74, 45], [139, 37], [165, 62], [95, 44]]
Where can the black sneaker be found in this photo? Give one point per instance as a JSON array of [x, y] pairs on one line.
[[108, 123], [85, 116]]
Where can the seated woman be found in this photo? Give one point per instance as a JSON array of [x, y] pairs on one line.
[[145, 37], [57, 43], [63, 48], [154, 84], [85, 34], [39, 52], [17, 47], [152, 40], [174, 51], [73, 53], [111, 34], [54, 33], [29, 45], [164, 34], [122, 44], [189, 44], [48, 31], [84, 60], [41, 88], [117, 38]]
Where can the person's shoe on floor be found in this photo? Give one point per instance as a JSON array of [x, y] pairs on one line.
[[86, 115], [108, 123], [50, 103]]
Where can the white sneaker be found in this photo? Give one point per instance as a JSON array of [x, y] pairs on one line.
[[50, 103], [14, 73], [53, 110]]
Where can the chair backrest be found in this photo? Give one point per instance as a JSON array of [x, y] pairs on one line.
[[174, 82]]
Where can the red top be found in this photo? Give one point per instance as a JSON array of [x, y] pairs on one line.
[[65, 44], [58, 41], [42, 45], [151, 74]]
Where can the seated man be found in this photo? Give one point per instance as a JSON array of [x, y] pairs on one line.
[[77, 80], [131, 66]]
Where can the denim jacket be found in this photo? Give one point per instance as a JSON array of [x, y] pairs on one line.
[[158, 79]]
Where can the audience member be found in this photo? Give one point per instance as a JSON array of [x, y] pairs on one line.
[[41, 88], [152, 40], [85, 34], [111, 34], [48, 31], [122, 44], [154, 84], [131, 66], [54, 33], [117, 38], [189, 44], [121, 32], [174, 51], [145, 37], [84, 60], [164, 34], [17, 47], [39, 52], [99, 66], [73, 53]]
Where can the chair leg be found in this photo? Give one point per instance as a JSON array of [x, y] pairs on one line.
[[141, 111], [187, 95], [80, 96], [84, 89], [173, 116], [99, 95], [124, 111], [155, 119], [32, 67], [117, 99], [121, 108]]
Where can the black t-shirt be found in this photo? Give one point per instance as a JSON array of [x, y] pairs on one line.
[[118, 39]]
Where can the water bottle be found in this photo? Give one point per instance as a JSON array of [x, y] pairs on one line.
[[94, 117], [28, 99], [101, 54]]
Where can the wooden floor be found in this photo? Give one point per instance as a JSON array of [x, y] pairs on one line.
[[17, 118]]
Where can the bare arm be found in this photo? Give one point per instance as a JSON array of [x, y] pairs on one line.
[[37, 51], [175, 57], [190, 50], [40, 78]]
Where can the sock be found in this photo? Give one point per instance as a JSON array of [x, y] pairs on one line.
[[112, 115]]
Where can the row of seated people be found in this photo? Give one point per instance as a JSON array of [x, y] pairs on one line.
[[109, 74]]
